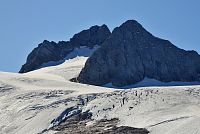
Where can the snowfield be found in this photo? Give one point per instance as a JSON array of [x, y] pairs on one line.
[[32, 103]]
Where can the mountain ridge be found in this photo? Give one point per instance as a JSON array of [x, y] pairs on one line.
[[51, 51], [131, 53], [124, 57]]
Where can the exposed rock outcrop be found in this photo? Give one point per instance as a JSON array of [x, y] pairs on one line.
[[77, 124], [131, 53], [57, 52]]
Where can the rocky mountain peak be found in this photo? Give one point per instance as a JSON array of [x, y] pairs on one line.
[[131, 53], [95, 35], [131, 24], [56, 53]]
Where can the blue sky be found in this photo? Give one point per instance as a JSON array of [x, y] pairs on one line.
[[26, 23]]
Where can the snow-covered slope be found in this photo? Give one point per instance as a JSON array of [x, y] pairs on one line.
[[172, 110], [83, 51], [29, 102]]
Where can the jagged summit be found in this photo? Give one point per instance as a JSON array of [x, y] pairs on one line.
[[131, 53], [51, 53], [133, 24], [126, 56]]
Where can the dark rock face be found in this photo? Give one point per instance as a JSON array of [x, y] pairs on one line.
[[77, 125], [51, 51], [131, 53], [45, 52]]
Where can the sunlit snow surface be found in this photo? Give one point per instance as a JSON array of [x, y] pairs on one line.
[[82, 51], [147, 82], [29, 103]]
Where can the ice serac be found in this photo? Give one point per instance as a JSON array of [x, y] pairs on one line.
[[50, 52], [131, 53]]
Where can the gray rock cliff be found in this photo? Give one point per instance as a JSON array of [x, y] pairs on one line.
[[57, 52], [131, 53]]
